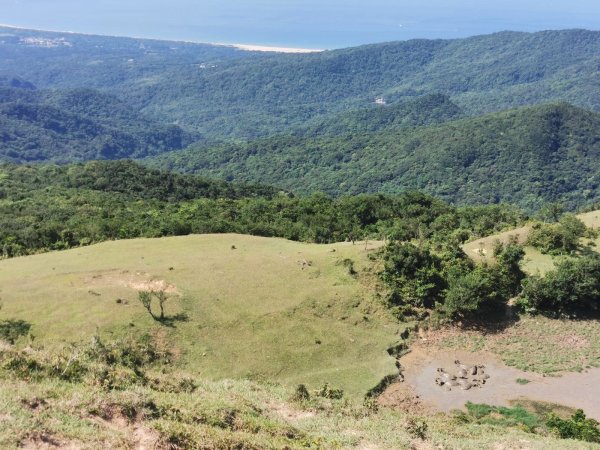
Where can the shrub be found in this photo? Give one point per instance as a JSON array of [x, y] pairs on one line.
[[572, 289], [577, 427], [326, 391], [559, 238], [301, 393], [417, 428], [413, 274], [11, 330], [349, 264]]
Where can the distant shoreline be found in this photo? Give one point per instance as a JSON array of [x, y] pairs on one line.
[[245, 47], [268, 48]]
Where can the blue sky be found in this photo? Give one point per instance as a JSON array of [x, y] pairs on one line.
[[300, 23]]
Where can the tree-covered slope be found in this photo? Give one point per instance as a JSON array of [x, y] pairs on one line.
[[224, 92], [403, 115], [77, 125], [44, 207], [525, 156]]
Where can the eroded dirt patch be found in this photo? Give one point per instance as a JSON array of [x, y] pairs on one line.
[[289, 413], [41, 441], [139, 436], [139, 281]]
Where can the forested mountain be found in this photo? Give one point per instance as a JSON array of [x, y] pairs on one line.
[[124, 177], [525, 156], [77, 125], [15, 83], [307, 122], [223, 92], [426, 110]]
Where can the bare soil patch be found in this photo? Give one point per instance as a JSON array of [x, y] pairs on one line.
[[139, 281], [289, 413], [401, 395]]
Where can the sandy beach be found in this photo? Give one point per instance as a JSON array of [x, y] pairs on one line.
[[265, 48]]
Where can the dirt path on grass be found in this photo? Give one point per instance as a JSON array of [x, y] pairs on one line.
[[576, 390]]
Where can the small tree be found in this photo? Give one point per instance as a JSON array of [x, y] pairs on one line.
[[161, 296], [145, 298], [413, 274], [508, 261], [474, 294], [551, 212]]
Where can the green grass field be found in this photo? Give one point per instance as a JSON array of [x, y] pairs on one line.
[[269, 309]]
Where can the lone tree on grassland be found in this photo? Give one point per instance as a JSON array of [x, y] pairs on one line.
[[146, 297]]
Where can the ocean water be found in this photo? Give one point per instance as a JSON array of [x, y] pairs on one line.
[[299, 23]]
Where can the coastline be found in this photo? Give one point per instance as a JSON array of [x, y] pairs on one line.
[[245, 47]]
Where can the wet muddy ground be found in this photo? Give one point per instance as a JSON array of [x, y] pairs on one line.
[[576, 390]]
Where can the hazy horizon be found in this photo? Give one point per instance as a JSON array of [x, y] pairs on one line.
[[308, 24]]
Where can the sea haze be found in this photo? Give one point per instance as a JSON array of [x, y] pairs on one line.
[[299, 23]]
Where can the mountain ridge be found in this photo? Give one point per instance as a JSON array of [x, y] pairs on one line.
[[228, 93], [526, 156]]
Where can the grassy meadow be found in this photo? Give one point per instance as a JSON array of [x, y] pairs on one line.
[[241, 306], [482, 249]]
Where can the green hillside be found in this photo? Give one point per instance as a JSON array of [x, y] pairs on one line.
[[525, 156], [209, 248], [267, 309], [57, 207], [78, 125], [400, 116], [482, 250], [223, 92]]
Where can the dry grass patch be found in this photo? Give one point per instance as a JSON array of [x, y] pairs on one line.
[[535, 344]]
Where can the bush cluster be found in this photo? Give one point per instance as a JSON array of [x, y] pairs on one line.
[[447, 280], [116, 364], [558, 238], [576, 427], [571, 290]]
